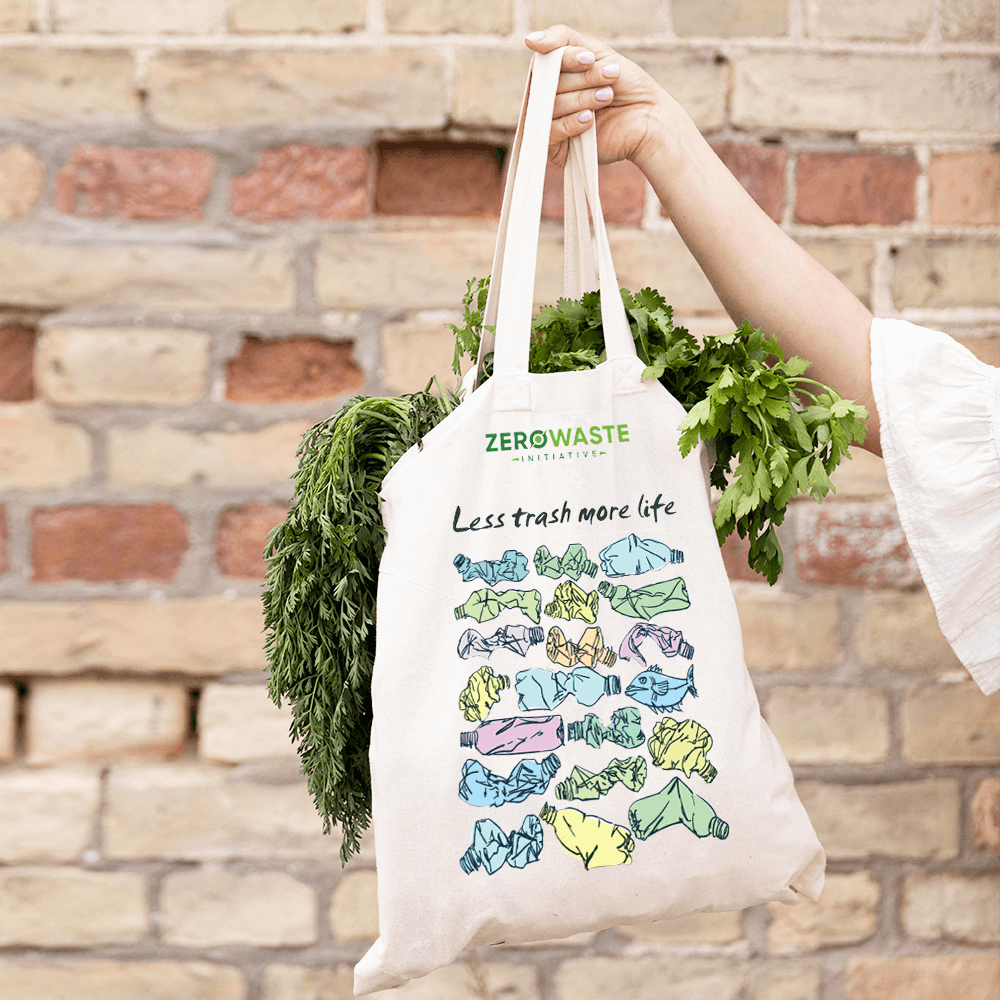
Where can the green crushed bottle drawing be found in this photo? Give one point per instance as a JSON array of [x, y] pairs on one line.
[[646, 602], [485, 605], [625, 729], [573, 563], [584, 785], [675, 804]]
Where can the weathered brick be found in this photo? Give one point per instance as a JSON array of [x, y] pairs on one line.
[[209, 635], [300, 181], [47, 815], [847, 912], [354, 907], [98, 542], [21, 179], [862, 476], [834, 189], [417, 350], [101, 181], [984, 816], [622, 188], [424, 268], [295, 982], [951, 724], [38, 452], [67, 908], [438, 178], [965, 188], [255, 16], [86, 87], [239, 722], [207, 908], [698, 82], [851, 262], [730, 18], [945, 274], [153, 277], [239, 539], [402, 88], [785, 981], [853, 545], [734, 555], [292, 370], [489, 85], [142, 366], [881, 20], [956, 907], [17, 359], [760, 169], [901, 631], [97, 720], [8, 722], [58, 978], [788, 632], [134, 16], [646, 978], [911, 819], [820, 725], [971, 977], [198, 812], [699, 928], [832, 92], [16, 15], [970, 21], [598, 19], [440, 16], [157, 455]]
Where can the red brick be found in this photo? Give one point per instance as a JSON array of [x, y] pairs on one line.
[[98, 542], [623, 193], [984, 812], [761, 170], [941, 977], [239, 541], [17, 355], [4, 561], [299, 181], [834, 189], [438, 178], [965, 188], [127, 183], [734, 555], [297, 369], [853, 545]]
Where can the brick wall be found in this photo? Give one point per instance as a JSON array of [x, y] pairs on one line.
[[222, 217]]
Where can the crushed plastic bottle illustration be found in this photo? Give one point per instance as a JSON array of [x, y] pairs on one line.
[[520, 734], [590, 650], [573, 562], [491, 848], [682, 746], [585, 785], [646, 602], [674, 804], [516, 638], [625, 729], [633, 556], [481, 694], [484, 605], [480, 787], [571, 601], [660, 692], [670, 642], [597, 842], [512, 566], [537, 688]]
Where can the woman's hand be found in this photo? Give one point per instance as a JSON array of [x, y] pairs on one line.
[[633, 110]]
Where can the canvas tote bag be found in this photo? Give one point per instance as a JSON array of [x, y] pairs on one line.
[[565, 735]]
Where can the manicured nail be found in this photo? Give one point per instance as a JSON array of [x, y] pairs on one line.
[[584, 116], [612, 69], [536, 36], [585, 58], [604, 94]]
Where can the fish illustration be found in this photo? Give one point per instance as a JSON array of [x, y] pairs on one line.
[[659, 692]]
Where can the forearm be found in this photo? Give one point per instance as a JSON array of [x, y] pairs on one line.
[[759, 273]]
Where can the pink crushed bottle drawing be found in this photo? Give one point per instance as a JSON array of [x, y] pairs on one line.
[[521, 734]]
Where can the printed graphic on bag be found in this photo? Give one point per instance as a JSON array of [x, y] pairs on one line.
[[512, 566], [571, 601], [484, 605], [670, 642], [573, 562], [597, 842], [585, 785], [483, 788], [672, 805], [682, 746], [625, 729], [633, 556], [491, 848], [538, 688], [649, 601], [659, 692], [528, 734], [481, 694], [517, 638], [590, 650]]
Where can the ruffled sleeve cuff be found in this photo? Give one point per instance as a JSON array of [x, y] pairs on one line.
[[939, 409]]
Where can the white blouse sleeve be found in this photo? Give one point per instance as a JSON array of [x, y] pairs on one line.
[[939, 408]]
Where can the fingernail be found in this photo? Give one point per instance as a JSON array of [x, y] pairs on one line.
[[612, 69], [536, 36], [585, 58], [604, 94], [584, 116]]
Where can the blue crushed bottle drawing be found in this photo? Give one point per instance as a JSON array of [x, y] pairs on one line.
[[480, 787], [660, 692], [512, 566], [537, 688], [632, 556], [515, 638], [491, 848]]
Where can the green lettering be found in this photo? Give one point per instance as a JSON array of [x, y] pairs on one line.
[[505, 441], [595, 435], [520, 440], [581, 437], [560, 437], [492, 441], [623, 432]]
